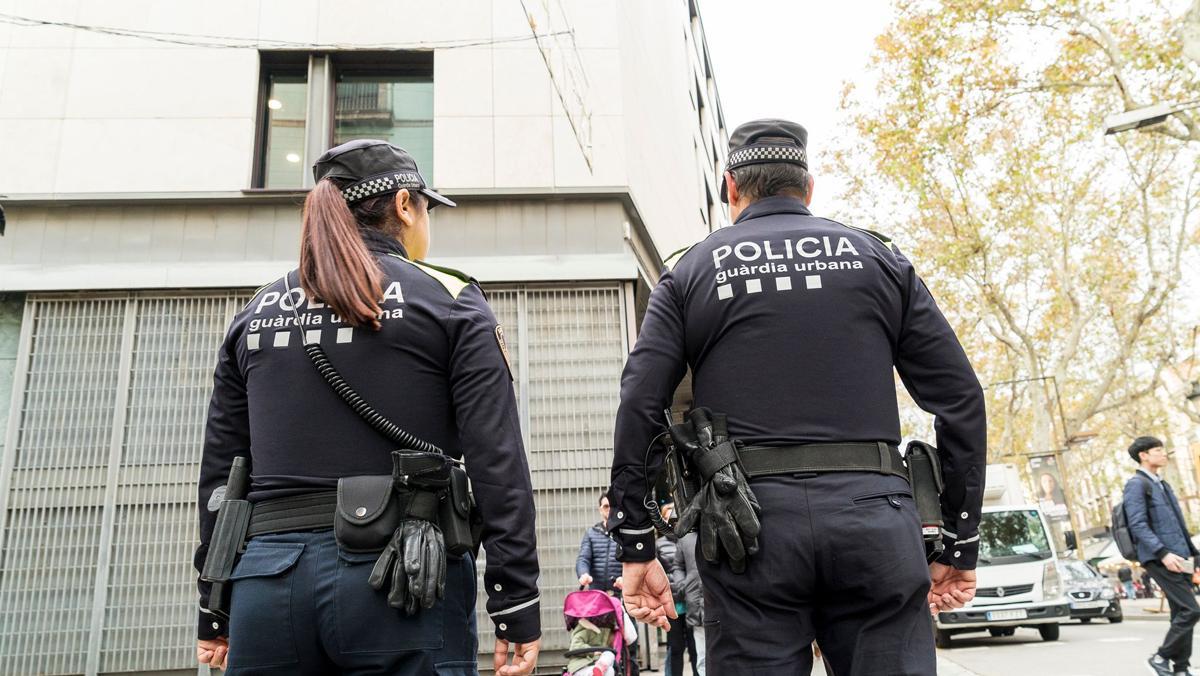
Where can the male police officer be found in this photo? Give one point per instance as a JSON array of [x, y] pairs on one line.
[[792, 325]]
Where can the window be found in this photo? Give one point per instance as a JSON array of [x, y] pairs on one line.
[[286, 114], [1011, 536], [384, 95], [395, 108]]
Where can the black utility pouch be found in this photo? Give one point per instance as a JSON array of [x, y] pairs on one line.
[[367, 513], [925, 477], [454, 514]]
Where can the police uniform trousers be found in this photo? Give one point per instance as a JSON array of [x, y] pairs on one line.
[[299, 605], [841, 561]]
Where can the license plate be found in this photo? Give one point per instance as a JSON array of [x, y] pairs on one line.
[[1001, 615], [1089, 604]]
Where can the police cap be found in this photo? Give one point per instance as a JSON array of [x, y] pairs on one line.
[[764, 141], [376, 168]]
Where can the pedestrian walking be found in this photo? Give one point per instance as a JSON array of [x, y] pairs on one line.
[[1125, 576], [598, 568], [596, 565], [679, 636], [1164, 548], [693, 592], [793, 327], [358, 551]]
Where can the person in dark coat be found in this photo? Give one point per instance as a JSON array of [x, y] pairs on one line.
[[679, 637], [1165, 548], [1125, 575], [693, 593], [597, 565]]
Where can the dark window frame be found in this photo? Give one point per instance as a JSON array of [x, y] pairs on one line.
[[353, 63], [271, 64]]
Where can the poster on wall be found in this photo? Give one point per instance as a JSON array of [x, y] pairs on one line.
[[1048, 486]]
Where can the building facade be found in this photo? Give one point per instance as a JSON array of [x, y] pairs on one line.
[[154, 159]]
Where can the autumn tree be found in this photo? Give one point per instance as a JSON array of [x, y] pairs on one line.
[[1057, 252]]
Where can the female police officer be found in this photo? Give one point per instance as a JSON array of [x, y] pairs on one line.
[[421, 345]]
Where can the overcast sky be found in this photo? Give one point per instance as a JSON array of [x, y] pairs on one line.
[[790, 59]]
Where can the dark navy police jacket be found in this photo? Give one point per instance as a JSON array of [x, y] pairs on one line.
[[792, 325], [436, 368], [1156, 524]]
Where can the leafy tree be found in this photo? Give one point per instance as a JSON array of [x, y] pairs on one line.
[[1056, 251]]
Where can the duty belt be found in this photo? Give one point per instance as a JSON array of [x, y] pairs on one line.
[[834, 457], [315, 511]]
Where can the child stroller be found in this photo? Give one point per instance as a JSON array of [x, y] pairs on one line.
[[598, 625]]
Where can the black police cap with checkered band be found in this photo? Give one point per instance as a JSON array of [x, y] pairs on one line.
[[764, 141], [376, 168]]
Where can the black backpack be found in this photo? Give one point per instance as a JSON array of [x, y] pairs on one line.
[[1120, 525]]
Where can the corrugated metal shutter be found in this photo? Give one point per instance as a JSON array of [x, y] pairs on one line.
[[150, 613], [99, 482], [568, 346], [97, 574]]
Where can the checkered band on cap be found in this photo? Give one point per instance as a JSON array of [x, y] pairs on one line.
[[378, 185], [763, 154]]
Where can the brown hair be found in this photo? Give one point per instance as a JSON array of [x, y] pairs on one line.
[[335, 265]]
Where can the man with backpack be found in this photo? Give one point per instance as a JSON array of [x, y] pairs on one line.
[[1163, 546]]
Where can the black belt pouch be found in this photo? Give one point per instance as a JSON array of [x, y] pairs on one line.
[[454, 514], [367, 513]]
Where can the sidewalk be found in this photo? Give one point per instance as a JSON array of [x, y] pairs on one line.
[[1146, 609]]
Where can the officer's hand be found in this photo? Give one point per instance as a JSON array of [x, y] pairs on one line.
[[1173, 563], [585, 580], [647, 593], [213, 652], [950, 587], [524, 658]]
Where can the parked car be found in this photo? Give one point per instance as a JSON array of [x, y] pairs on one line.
[[1092, 595]]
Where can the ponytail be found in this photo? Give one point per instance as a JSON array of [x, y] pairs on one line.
[[335, 265]]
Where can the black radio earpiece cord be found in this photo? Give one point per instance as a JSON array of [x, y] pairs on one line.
[[660, 524], [364, 410]]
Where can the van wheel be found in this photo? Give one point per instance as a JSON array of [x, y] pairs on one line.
[[1049, 632], [942, 639], [1116, 619]]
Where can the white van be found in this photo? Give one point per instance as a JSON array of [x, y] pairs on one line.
[[1019, 584]]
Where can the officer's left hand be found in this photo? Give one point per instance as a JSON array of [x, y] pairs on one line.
[[524, 658], [950, 587], [213, 652]]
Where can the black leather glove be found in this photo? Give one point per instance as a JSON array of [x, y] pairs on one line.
[[415, 560], [726, 508]]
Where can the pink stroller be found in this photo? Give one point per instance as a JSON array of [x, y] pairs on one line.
[[597, 624]]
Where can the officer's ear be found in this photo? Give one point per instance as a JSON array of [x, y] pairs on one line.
[[405, 206], [731, 188], [808, 194]]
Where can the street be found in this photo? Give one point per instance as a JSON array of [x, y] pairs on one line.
[[1096, 649]]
